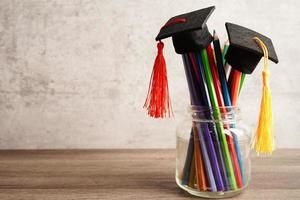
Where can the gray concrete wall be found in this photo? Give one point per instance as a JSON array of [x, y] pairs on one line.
[[74, 74]]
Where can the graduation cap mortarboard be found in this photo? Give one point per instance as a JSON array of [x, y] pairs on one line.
[[243, 53], [189, 33], [246, 49]]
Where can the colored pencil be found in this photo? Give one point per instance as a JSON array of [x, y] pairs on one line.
[[208, 151], [216, 113], [221, 71], [235, 90], [242, 82], [219, 95], [212, 127], [192, 88], [200, 174], [226, 66], [194, 98], [225, 49], [206, 161], [188, 160], [193, 78], [226, 95], [235, 86], [192, 173]]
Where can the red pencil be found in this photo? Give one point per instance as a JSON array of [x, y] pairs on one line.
[[235, 86], [219, 95]]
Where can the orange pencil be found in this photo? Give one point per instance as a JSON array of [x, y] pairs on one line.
[[200, 174], [235, 86]]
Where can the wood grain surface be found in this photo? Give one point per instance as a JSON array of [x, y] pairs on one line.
[[128, 174]]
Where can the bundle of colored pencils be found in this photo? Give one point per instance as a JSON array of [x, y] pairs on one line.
[[213, 161]]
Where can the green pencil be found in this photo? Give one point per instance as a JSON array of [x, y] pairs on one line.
[[217, 115], [226, 66], [242, 82], [225, 49]]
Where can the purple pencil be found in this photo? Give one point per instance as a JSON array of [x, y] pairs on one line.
[[205, 129], [194, 97], [204, 136], [212, 127]]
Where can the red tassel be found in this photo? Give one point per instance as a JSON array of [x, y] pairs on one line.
[[158, 102]]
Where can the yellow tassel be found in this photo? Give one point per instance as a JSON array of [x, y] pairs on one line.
[[264, 139]]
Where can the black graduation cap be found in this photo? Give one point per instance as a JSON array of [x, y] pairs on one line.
[[189, 31], [243, 53]]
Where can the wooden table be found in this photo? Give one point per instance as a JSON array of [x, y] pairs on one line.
[[128, 174]]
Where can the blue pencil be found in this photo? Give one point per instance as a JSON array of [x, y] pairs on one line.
[[226, 96], [212, 127]]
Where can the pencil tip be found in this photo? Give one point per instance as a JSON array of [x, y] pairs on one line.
[[215, 35]]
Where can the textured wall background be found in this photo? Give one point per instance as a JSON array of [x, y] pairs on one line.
[[74, 74]]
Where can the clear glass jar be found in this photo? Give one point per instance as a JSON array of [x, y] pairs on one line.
[[212, 153]]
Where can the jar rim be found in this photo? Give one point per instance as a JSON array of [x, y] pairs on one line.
[[206, 113], [197, 108]]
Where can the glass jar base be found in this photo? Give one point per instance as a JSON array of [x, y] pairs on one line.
[[211, 195]]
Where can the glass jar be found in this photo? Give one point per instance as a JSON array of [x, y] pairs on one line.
[[212, 152]]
